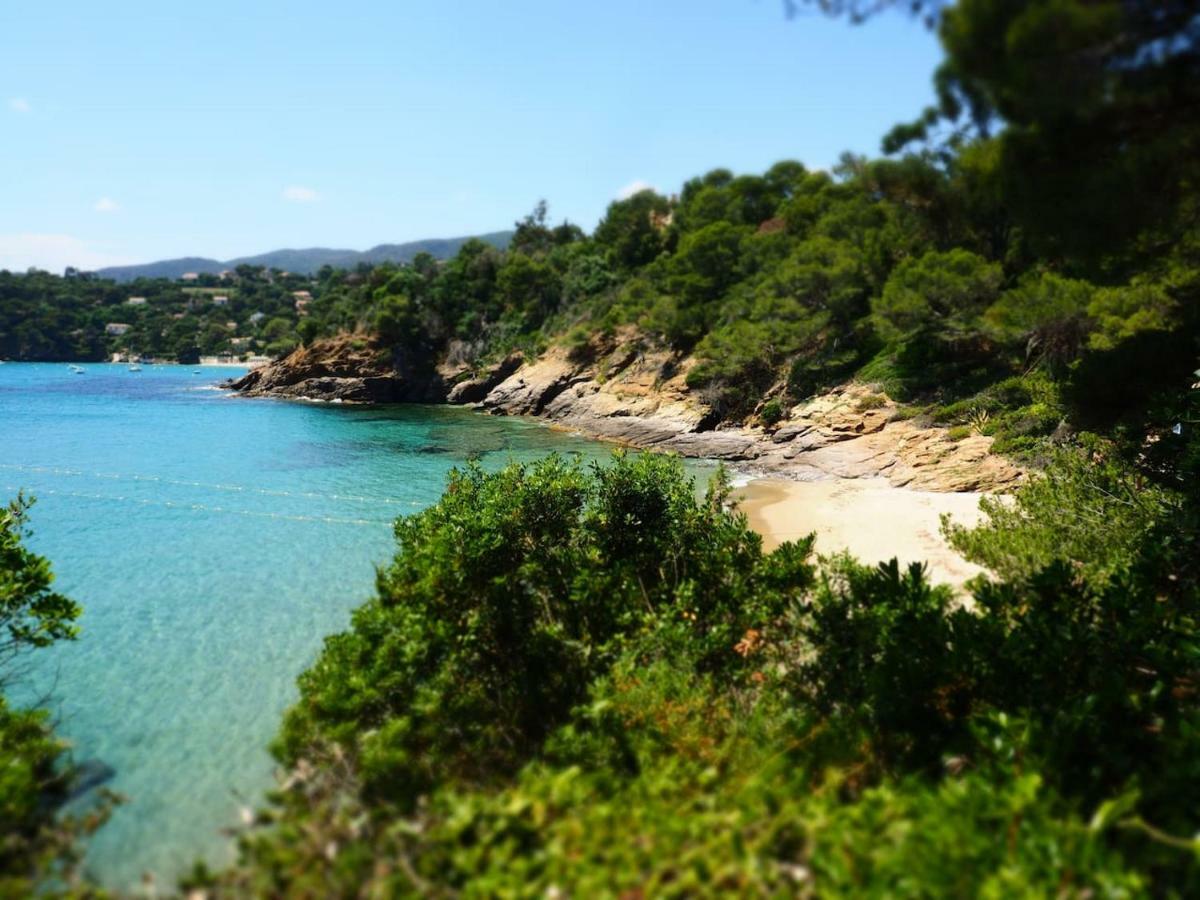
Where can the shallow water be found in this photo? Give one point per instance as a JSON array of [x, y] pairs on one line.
[[212, 541]]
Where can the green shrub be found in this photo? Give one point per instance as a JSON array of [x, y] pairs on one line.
[[579, 342], [884, 370], [870, 401], [772, 412], [1020, 412], [508, 597], [904, 413], [660, 785], [1084, 509], [894, 656]]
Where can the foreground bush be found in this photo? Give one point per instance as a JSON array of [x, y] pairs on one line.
[[510, 596], [579, 682]]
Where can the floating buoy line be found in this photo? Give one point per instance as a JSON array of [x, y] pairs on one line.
[[203, 507], [200, 507], [236, 488]]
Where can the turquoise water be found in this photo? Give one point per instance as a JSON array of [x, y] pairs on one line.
[[213, 541]]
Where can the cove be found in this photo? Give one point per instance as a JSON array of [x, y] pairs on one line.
[[213, 542]]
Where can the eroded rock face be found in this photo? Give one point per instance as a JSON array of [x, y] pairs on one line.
[[927, 459], [852, 432], [530, 388], [473, 390], [624, 392]]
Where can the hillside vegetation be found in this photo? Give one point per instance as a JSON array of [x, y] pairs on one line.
[[45, 317], [928, 274], [910, 273]]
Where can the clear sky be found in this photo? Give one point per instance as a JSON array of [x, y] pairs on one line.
[[133, 130]]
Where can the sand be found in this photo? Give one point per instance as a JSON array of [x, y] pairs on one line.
[[868, 517]]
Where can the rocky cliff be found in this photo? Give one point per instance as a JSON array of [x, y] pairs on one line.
[[617, 389], [350, 369]]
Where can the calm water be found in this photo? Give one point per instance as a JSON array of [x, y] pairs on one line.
[[212, 541]]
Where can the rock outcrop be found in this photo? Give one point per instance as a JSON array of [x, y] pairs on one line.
[[346, 369], [641, 398], [619, 390]]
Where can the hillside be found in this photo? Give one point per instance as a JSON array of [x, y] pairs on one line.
[[758, 292], [306, 261], [164, 268]]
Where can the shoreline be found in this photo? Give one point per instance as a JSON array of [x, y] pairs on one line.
[[639, 398], [867, 517]]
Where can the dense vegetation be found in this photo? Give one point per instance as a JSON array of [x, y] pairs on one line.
[[577, 681], [46, 317], [38, 849]]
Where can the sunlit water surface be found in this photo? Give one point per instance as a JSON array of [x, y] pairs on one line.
[[213, 541]]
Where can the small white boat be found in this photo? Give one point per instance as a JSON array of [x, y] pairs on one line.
[[78, 370], [134, 367]]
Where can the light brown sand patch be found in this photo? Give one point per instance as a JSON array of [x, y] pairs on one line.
[[867, 517]]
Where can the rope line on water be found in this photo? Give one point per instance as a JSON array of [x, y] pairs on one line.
[[238, 488], [203, 507]]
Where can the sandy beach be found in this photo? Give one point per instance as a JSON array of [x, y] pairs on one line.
[[868, 517]]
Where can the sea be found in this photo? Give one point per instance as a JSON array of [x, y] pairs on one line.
[[213, 541]]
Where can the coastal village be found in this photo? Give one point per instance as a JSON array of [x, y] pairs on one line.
[[245, 316]]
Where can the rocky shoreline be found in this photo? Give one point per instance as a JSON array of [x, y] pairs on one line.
[[624, 393]]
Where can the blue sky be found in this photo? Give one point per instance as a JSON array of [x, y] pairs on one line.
[[133, 131]]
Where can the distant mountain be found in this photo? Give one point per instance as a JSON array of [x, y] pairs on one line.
[[304, 262], [167, 268]]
